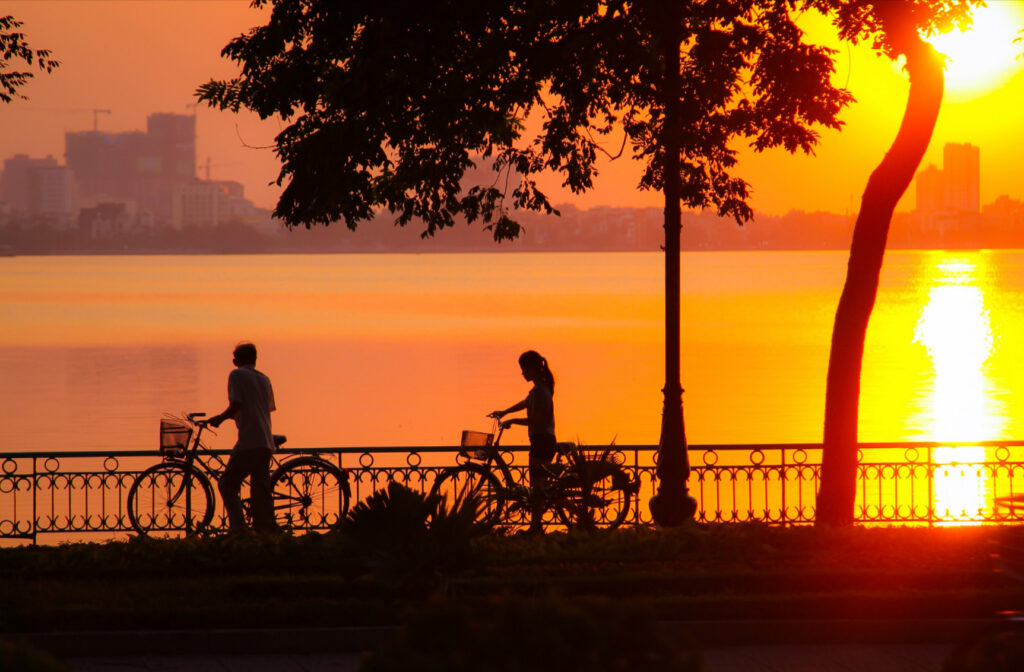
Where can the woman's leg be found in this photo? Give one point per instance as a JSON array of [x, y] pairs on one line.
[[542, 452]]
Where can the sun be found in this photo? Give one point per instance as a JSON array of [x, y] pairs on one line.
[[983, 57]]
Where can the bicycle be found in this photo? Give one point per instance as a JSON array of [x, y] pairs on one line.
[[582, 491], [177, 495]]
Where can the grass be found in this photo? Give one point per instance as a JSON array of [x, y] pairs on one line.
[[705, 572]]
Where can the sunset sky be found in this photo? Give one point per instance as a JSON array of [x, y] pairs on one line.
[[137, 57]]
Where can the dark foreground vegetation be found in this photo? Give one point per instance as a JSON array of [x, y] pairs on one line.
[[714, 572], [455, 586]]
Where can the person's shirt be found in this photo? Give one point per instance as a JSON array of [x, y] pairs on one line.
[[251, 389], [540, 412]]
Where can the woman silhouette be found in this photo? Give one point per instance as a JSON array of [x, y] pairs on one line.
[[540, 423]]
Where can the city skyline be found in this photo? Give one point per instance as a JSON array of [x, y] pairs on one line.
[[153, 176], [124, 181], [146, 64], [167, 164]]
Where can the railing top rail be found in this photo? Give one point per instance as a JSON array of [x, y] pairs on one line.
[[360, 450], [345, 450], [870, 445]]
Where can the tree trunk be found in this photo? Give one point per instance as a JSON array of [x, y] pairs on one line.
[[836, 496], [672, 505]]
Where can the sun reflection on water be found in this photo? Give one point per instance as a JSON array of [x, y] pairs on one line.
[[955, 329]]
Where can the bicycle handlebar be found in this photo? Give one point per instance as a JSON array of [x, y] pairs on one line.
[[198, 419]]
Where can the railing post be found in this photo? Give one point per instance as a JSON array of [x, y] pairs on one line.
[[782, 484], [639, 480], [188, 500], [35, 497], [931, 492]]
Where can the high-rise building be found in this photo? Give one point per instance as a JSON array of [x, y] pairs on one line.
[[955, 188], [38, 187], [931, 190], [51, 192], [136, 167], [961, 166], [172, 141], [199, 203], [16, 178], [106, 164]]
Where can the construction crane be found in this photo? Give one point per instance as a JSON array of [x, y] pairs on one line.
[[96, 112], [96, 117], [216, 165]]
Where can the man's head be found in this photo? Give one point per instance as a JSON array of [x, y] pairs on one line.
[[245, 353]]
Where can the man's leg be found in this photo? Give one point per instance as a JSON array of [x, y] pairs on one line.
[[229, 484], [260, 493]]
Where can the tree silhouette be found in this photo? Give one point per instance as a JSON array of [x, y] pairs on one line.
[[388, 104], [895, 28], [14, 47]]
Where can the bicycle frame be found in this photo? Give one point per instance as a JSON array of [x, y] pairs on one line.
[[308, 492], [204, 464], [562, 484]]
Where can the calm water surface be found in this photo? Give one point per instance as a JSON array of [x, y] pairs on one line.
[[377, 350]]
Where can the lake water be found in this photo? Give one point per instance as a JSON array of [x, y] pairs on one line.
[[393, 350]]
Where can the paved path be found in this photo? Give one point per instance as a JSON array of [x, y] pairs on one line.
[[790, 658], [747, 646], [323, 662], [827, 658]]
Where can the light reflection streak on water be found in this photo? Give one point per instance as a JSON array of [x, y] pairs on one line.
[[954, 327]]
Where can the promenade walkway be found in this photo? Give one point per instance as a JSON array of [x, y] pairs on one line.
[[879, 646], [783, 658]]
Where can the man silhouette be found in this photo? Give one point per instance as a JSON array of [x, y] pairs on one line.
[[250, 401]]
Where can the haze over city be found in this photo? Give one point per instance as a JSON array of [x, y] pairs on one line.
[[137, 58]]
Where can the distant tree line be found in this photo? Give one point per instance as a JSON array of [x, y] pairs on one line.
[[593, 230]]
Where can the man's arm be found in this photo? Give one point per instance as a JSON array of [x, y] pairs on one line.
[[229, 412]]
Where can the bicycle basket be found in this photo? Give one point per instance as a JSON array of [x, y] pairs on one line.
[[479, 440], [174, 437]]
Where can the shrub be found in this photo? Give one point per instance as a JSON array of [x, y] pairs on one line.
[[407, 540]]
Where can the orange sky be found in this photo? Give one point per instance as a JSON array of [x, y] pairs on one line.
[[136, 57]]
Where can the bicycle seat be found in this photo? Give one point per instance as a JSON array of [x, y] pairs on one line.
[[279, 440]]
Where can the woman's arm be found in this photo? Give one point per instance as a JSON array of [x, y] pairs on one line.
[[511, 409]]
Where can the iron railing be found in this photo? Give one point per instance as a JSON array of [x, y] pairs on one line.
[[64, 496]]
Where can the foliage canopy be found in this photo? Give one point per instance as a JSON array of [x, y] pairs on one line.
[[14, 48], [389, 104]]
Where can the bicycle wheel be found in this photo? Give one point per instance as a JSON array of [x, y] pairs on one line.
[[454, 484], [160, 504], [603, 499], [310, 495]]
